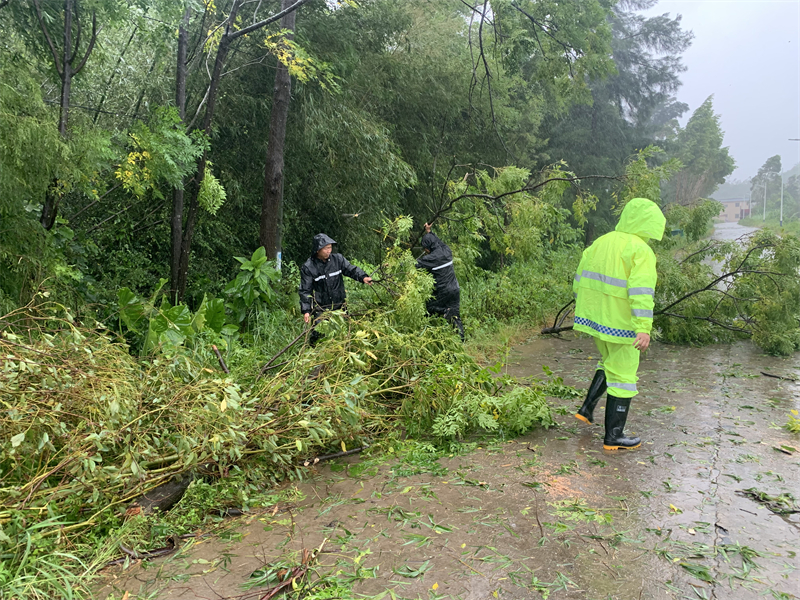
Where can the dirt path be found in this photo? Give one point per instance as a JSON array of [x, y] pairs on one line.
[[550, 513]]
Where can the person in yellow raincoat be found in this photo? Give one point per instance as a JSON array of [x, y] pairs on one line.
[[614, 288]]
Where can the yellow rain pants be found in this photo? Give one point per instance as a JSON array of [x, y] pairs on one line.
[[620, 362]]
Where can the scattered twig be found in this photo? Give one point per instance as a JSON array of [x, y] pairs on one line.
[[221, 360], [536, 514], [275, 366], [296, 573], [779, 377]]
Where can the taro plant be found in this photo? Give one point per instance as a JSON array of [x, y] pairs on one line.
[[166, 326], [253, 287]]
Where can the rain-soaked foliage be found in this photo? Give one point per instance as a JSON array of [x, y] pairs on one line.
[[149, 335]]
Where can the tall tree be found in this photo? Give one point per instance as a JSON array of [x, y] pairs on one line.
[[68, 62], [706, 163], [271, 226], [176, 219], [765, 186], [231, 33], [629, 109]]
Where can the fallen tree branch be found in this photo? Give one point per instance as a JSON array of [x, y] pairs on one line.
[[554, 329], [320, 459], [707, 247], [709, 319], [266, 367], [171, 547], [557, 328], [710, 287], [444, 208]]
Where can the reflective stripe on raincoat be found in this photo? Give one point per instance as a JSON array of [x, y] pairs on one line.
[[616, 279]]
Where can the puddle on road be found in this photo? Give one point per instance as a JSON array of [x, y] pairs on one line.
[[550, 512]]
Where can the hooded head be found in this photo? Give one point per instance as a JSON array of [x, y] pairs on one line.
[[642, 217], [430, 242], [320, 241]]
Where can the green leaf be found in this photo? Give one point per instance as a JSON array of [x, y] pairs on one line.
[[215, 314], [169, 327], [17, 439], [259, 254], [131, 309], [199, 318], [407, 571], [229, 330]]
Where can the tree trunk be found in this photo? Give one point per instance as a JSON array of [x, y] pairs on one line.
[[176, 222], [191, 219], [51, 199], [271, 226], [66, 74], [65, 69]]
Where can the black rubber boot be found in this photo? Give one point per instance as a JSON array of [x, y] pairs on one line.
[[596, 390], [459, 327], [616, 415]]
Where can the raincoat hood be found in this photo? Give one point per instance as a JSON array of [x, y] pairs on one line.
[[642, 217], [320, 241], [430, 242]]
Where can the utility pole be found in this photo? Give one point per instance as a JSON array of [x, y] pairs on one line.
[[791, 140], [766, 179]]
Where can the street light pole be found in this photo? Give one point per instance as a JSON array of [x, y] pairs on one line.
[[781, 199]]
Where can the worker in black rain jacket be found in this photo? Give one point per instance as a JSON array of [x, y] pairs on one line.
[[321, 280], [438, 261]]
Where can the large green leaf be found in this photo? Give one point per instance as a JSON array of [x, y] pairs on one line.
[[215, 314], [211, 314], [131, 309], [168, 328]]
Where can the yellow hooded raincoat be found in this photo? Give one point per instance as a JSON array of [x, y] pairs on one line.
[[614, 287]]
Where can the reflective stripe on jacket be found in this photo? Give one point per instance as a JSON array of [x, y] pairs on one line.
[[616, 279], [321, 283]]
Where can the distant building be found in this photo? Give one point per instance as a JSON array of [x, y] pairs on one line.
[[734, 209]]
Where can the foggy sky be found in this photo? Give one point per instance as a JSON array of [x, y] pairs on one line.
[[747, 54]]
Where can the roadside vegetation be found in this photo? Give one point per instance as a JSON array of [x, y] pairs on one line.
[[149, 251]]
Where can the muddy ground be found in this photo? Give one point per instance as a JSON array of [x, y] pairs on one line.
[[550, 513]]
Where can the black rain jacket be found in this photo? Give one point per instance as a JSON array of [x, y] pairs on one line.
[[439, 262], [321, 283]]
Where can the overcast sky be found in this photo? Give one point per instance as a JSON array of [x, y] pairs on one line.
[[747, 54]]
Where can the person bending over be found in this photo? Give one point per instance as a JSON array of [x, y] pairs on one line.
[[438, 261]]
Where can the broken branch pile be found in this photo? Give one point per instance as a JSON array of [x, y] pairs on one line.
[[87, 428]]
